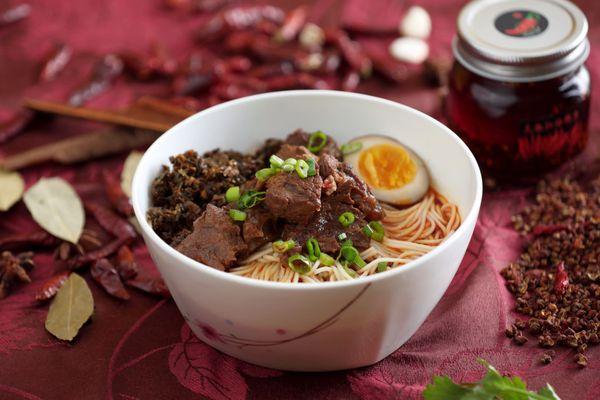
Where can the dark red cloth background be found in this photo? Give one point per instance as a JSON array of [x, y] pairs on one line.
[[141, 349]]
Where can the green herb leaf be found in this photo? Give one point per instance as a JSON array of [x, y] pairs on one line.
[[70, 309], [492, 386], [56, 207], [12, 187]]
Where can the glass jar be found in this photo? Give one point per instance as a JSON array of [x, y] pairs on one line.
[[519, 94]]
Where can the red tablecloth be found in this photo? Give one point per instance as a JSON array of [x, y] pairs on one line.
[[134, 350]]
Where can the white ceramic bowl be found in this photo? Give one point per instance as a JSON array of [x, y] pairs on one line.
[[312, 327]]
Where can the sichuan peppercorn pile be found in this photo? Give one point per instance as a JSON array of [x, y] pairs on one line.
[[556, 280]]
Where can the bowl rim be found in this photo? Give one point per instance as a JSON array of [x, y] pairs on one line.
[[151, 235]]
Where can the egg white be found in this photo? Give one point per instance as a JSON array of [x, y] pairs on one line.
[[407, 194]]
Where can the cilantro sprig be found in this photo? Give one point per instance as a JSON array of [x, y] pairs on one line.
[[491, 387]]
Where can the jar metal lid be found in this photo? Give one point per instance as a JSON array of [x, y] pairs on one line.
[[521, 40]]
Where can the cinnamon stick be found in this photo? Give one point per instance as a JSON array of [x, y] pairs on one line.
[[123, 118], [81, 148]]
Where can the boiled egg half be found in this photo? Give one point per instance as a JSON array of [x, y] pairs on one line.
[[395, 174]]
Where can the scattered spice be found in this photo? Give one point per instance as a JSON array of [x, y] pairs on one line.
[[56, 207], [556, 280], [55, 62], [103, 74], [27, 240], [51, 286], [150, 285], [72, 306], [15, 124], [129, 167], [13, 270], [111, 222], [105, 251], [116, 196], [13, 186], [107, 276], [125, 263], [14, 14], [81, 148], [547, 357]]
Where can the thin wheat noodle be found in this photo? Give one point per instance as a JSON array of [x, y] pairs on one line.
[[409, 234]]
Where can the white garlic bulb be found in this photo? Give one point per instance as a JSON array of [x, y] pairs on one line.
[[409, 49], [416, 23]]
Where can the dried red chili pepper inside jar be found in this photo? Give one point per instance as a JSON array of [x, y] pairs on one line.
[[519, 94]]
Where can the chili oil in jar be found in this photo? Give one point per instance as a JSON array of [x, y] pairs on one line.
[[519, 93]]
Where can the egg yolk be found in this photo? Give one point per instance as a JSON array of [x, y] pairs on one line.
[[386, 166]]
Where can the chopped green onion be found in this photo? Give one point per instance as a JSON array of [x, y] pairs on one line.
[[312, 166], [302, 169], [350, 148], [300, 264], [374, 230], [346, 219], [382, 266], [349, 253], [237, 215], [275, 161], [314, 251], [342, 236], [317, 141], [232, 194], [350, 271], [326, 260], [289, 164], [359, 262], [250, 198], [279, 246], [264, 174]]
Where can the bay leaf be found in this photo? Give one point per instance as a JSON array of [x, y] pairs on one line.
[[11, 189], [131, 163], [56, 207], [72, 306]]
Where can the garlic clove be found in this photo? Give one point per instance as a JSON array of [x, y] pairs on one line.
[[409, 49], [312, 36], [416, 23]]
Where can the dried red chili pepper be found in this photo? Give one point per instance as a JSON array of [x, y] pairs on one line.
[[116, 196], [393, 70], [125, 263], [51, 286], [16, 124], [227, 91], [561, 279], [251, 83], [14, 14], [107, 276], [31, 239], [541, 230], [239, 42], [272, 70], [149, 285], [267, 50], [194, 76], [351, 51], [104, 73], [55, 62], [267, 27], [248, 17], [238, 64], [105, 251], [350, 81], [197, 5], [111, 222], [292, 25], [213, 100]]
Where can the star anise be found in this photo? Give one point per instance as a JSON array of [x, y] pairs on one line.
[[13, 269]]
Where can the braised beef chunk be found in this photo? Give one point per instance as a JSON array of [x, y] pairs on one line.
[[215, 240], [300, 138], [292, 198], [259, 228], [292, 151], [326, 228], [339, 178]]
